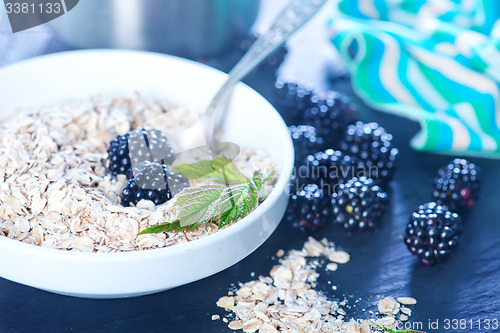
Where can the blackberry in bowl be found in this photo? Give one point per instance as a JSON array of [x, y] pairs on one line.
[[137, 146], [432, 233], [457, 185]]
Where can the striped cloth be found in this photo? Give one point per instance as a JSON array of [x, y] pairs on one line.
[[434, 61]]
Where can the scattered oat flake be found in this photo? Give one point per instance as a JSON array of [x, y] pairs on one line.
[[406, 311], [387, 305], [215, 317], [339, 257], [332, 267], [236, 325], [403, 317], [226, 302], [280, 253], [252, 325], [267, 328]]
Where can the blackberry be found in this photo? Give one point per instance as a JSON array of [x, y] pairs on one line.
[[457, 185], [291, 99], [137, 146], [432, 233], [312, 206], [149, 182], [273, 61], [150, 145], [305, 141], [371, 150], [330, 116], [176, 182], [326, 169], [358, 204]]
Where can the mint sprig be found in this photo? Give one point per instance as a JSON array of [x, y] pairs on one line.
[[230, 197]]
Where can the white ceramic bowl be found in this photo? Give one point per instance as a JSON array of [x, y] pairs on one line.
[[80, 74]]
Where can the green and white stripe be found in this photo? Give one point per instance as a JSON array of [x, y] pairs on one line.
[[437, 62]]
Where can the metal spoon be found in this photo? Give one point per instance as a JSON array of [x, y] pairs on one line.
[[291, 19]]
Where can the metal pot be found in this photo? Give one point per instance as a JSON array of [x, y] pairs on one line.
[[189, 28]]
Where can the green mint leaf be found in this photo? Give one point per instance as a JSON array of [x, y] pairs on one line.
[[199, 205], [243, 200], [227, 204], [214, 202], [220, 170]]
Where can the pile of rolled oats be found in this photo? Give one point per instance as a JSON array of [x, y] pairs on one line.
[[54, 188], [285, 301]]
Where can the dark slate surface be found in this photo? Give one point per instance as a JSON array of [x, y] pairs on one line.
[[465, 287]]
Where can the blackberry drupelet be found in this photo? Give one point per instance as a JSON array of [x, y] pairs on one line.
[[330, 116], [137, 146], [372, 151], [312, 207], [432, 233], [326, 169], [457, 185], [291, 99], [305, 141], [150, 182], [358, 204]]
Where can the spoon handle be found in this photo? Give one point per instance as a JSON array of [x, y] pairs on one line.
[[292, 18]]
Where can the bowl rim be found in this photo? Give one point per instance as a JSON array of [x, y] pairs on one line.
[[280, 186]]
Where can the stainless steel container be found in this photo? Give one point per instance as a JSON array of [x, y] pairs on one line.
[[189, 28]]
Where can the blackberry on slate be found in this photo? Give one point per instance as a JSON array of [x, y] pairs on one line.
[[457, 185], [326, 169], [371, 149], [312, 206], [149, 182], [358, 204], [291, 99], [305, 141], [330, 116], [137, 146], [432, 233]]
